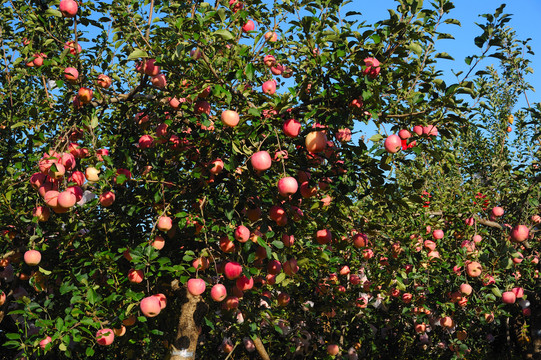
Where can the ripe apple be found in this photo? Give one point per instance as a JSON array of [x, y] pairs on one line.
[[437, 234], [283, 299], [71, 46], [145, 142], [269, 87], [292, 128], [42, 213], [509, 297], [323, 236], [66, 199], [232, 270], [333, 349], [201, 107], [420, 328], [226, 245], [218, 292], [85, 95], [290, 266], [466, 289], [230, 118], [473, 268], [201, 263], [68, 8], [287, 186], [261, 161], [105, 336], [135, 276], [158, 243], [159, 81], [242, 234], [249, 26], [71, 74], [104, 81], [447, 322], [57, 171], [269, 60], [360, 240], [497, 211], [536, 219], [165, 223], [121, 331], [245, 283], [288, 240], [107, 199], [392, 144], [520, 233], [196, 286], [91, 174], [32, 257], [271, 36], [43, 343], [274, 267], [404, 134], [150, 306], [316, 141], [231, 302], [518, 291]]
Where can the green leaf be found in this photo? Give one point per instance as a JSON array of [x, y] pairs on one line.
[[443, 55], [53, 12], [416, 48], [138, 54], [376, 138], [44, 272], [224, 34], [92, 296], [280, 277]]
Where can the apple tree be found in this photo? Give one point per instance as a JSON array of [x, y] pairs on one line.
[[200, 179]]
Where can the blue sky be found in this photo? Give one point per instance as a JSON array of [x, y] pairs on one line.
[[525, 21]]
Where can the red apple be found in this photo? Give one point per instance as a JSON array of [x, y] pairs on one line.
[[287, 186], [230, 118], [473, 268], [242, 234], [71, 74], [269, 60], [216, 166], [158, 243], [292, 128], [196, 286], [274, 267], [290, 266], [159, 81], [43, 343], [218, 292], [165, 223], [245, 283], [437, 234], [232, 270], [226, 245], [104, 81], [333, 349], [269, 87], [261, 161], [392, 144], [42, 213], [288, 240], [68, 8], [135, 276], [85, 95], [66, 199], [447, 322], [343, 135], [150, 306], [466, 289], [404, 134], [105, 336], [107, 199], [360, 240], [249, 26], [32, 257], [509, 297], [323, 236], [283, 299], [520, 233], [497, 211]]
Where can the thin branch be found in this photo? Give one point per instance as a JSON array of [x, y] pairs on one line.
[[149, 20]]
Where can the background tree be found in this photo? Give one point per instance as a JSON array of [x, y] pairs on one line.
[[153, 151]]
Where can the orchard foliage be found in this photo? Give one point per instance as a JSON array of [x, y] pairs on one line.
[[151, 151]]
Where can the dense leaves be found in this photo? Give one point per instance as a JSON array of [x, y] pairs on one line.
[[122, 169]]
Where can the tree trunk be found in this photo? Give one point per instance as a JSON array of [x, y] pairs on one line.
[[192, 311]]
